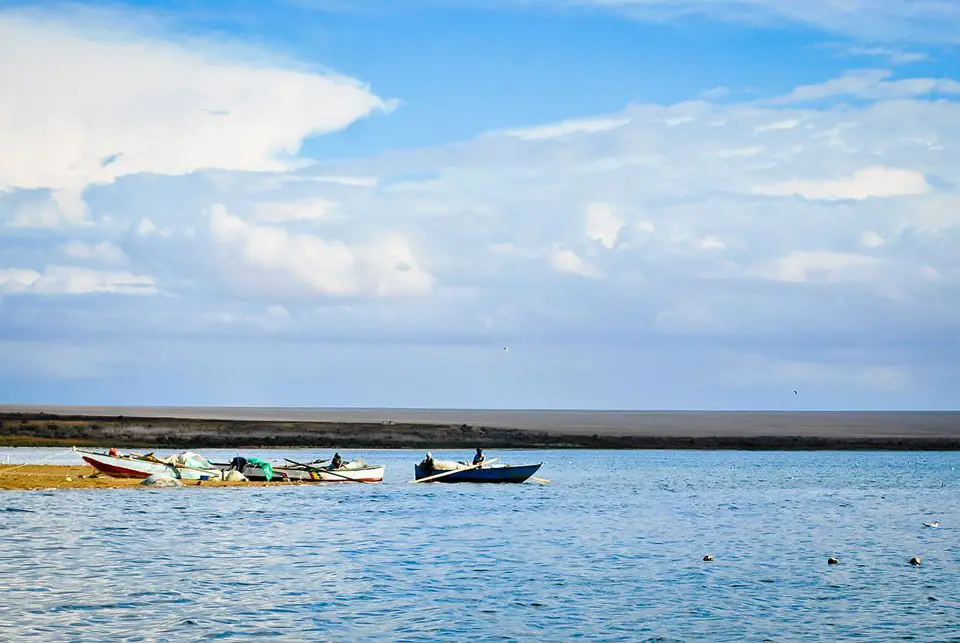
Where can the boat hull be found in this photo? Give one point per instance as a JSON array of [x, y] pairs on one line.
[[120, 466], [507, 474], [294, 474]]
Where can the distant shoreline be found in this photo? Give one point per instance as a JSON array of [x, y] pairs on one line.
[[184, 427]]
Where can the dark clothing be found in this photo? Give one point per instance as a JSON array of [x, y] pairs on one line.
[[337, 462], [477, 459], [427, 465]]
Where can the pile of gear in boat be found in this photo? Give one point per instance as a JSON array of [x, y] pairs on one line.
[[193, 466]]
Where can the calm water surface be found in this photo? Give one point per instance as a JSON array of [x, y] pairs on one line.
[[610, 549]]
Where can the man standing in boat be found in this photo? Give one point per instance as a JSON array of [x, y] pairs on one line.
[[478, 459]]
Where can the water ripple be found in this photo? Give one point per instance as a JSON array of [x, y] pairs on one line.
[[610, 550]]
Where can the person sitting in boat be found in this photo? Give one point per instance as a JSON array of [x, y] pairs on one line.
[[478, 459], [427, 463], [337, 462]]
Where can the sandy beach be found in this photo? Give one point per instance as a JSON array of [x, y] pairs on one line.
[[37, 477], [199, 427]]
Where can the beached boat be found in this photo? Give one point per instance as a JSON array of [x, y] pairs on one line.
[[491, 473], [355, 471], [188, 466]]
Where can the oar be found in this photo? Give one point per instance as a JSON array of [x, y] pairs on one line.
[[446, 473], [307, 465], [319, 470], [540, 480]]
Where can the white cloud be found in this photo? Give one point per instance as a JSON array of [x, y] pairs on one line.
[[386, 268], [871, 239], [69, 280], [863, 184], [61, 208], [104, 251], [712, 243], [146, 227], [566, 128], [602, 224], [929, 273], [740, 152], [777, 126], [303, 210], [350, 181], [501, 238], [820, 265], [890, 19], [645, 226], [274, 317], [871, 84], [896, 56], [715, 93], [90, 106], [565, 260]]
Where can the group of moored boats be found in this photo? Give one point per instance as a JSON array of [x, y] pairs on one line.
[[192, 466]]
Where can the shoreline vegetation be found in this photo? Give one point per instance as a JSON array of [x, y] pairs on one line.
[[279, 428]]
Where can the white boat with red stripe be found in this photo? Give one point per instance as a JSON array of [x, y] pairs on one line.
[[133, 465]]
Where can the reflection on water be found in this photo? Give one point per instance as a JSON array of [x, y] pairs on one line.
[[611, 549]]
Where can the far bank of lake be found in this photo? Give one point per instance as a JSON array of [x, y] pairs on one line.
[[212, 427]]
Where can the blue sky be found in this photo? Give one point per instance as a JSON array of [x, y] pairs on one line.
[[651, 203]]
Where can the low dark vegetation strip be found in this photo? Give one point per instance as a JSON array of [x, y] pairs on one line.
[[167, 433]]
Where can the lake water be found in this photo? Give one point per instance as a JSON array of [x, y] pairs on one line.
[[609, 550]]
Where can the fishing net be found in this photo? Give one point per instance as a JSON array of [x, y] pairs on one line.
[[188, 459], [448, 465]]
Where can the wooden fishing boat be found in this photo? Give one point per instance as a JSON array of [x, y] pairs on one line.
[[134, 465], [321, 474], [356, 471], [492, 473]]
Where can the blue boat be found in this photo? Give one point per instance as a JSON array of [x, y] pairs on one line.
[[493, 473]]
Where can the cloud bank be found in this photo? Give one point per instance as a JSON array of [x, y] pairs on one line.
[[81, 108], [688, 251]]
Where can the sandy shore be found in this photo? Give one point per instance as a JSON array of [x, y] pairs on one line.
[[36, 477], [185, 427]]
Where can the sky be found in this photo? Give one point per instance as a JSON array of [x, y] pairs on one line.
[[590, 204]]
